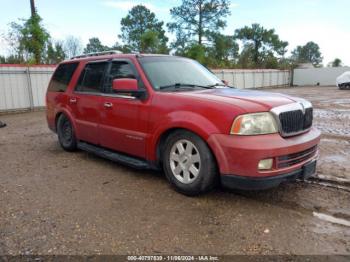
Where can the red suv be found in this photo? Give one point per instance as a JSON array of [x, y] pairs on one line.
[[156, 111]]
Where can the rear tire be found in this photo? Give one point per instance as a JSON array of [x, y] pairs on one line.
[[188, 163], [66, 135], [344, 86]]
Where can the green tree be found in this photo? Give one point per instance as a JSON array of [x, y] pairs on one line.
[[261, 42], [50, 53], [29, 39], [142, 31], [122, 48], [14, 59], [337, 62], [151, 43], [196, 52], [196, 20], [270, 61], [55, 53], [224, 51], [246, 57], [2, 59], [95, 46], [309, 53]]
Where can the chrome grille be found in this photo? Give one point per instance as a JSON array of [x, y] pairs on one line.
[[295, 121], [294, 118]]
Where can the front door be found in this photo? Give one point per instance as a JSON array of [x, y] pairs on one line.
[[123, 124]]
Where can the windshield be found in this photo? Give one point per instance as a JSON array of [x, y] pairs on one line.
[[178, 72]]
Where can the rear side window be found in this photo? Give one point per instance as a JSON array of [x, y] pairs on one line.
[[91, 78], [62, 77]]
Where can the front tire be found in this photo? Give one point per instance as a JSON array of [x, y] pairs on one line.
[[66, 135], [188, 163]]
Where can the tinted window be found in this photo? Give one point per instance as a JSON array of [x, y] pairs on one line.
[[120, 69], [62, 77], [91, 77]]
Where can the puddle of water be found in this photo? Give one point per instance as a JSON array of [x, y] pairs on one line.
[[332, 219]]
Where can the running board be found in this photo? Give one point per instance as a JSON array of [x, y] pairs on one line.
[[114, 156]]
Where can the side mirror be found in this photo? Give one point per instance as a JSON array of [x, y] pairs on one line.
[[124, 85], [129, 86], [225, 82]]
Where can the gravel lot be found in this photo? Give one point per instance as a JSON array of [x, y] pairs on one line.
[[54, 202]]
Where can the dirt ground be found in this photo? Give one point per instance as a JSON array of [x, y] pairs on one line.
[[54, 202]]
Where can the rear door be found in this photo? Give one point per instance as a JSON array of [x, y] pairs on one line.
[[124, 118], [56, 95], [85, 101]]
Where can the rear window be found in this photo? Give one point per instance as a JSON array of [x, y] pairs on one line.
[[62, 77]]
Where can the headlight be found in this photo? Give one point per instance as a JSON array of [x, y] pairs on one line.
[[254, 124]]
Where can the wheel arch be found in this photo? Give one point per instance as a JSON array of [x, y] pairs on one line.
[[70, 117], [166, 133], [57, 116]]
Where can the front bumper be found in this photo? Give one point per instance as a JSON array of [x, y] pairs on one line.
[[252, 183], [238, 156]]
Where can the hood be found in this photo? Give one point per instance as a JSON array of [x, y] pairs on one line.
[[247, 100]]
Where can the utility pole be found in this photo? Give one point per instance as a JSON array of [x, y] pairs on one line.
[[32, 7]]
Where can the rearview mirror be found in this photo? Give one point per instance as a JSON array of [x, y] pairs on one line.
[[128, 86]]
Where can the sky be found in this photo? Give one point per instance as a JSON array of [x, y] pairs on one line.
[[325, 22]]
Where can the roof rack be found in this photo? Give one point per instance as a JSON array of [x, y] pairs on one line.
[[111, 52]]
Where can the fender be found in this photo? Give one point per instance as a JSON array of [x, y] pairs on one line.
[[67, 112], [191, 121]]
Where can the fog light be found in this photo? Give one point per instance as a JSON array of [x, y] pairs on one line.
[[265, 164]]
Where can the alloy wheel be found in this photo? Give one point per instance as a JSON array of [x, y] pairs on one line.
[[185, 161]]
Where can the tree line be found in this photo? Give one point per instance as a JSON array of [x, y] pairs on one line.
[[196, 25]]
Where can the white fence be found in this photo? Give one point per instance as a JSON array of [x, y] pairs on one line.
[[317, 76], [23, 87], [255, 78]]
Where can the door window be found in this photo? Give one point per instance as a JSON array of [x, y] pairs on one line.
[[119, 69], [91, 78]]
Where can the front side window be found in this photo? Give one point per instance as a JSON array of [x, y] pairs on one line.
[[91, 78], [119, 69], [62, 76], [168, 71]]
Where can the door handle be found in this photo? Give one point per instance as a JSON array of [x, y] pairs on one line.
[[108, 105], [73, 100]]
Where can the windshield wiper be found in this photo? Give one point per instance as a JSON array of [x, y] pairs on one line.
[[214, 85], [179, 85]]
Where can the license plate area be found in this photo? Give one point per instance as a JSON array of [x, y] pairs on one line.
[[309, 169]]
